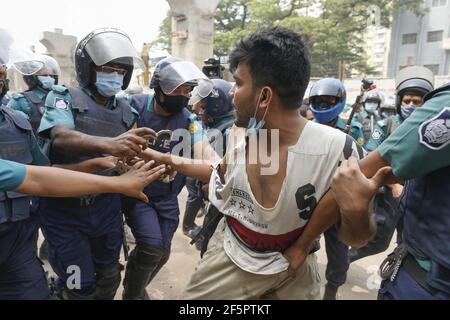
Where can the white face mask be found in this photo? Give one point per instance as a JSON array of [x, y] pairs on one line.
[[371, 107]]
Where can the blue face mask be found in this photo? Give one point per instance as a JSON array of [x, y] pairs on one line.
[[253, 124], [371, 107], [47, 82], [406, 110], [109, 84]]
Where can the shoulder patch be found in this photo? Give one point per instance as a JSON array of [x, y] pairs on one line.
[[360, 141], [60, 103], [193, 127], [435, 133], [376, 135]]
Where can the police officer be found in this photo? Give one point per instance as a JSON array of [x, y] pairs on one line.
[[418, 152], [327, 100], [412, 83], [31, 102], [84, 122], [211, 102], [369, 115], [21, 272], [154, 224]]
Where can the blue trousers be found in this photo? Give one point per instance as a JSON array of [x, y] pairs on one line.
[[155, 223], [86, 237], [21, 274], [338, 260], [405, 287]]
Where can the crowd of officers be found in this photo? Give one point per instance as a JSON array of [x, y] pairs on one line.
[[90, 128]]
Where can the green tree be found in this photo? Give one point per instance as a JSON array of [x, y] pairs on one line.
[[164, 39], [335, 36]]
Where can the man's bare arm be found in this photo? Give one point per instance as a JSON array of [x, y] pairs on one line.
[[198, 169], [56, 182]]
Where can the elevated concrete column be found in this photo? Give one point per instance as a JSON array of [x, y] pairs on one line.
[[61, 47], [193, 29]]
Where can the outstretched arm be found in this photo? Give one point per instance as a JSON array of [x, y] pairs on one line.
[[55, 182]]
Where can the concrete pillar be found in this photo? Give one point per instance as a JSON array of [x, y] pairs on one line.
[[62, 47], [193, 29]]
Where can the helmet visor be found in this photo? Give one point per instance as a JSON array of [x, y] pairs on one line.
[[201, 91], [177, 73], [106, 45]]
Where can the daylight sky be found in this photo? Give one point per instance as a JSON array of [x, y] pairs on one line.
[[27, 19]]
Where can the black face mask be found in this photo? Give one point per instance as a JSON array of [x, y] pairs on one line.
[[171, 104]]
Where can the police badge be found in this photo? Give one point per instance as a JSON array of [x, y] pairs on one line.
[[435, 133]]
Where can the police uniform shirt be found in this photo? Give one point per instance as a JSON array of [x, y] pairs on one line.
[[357, 132], [421, 144], [12, 175], [58, 109], [380, 132], [19, 102]]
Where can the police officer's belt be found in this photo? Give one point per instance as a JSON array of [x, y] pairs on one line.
[[81, 201], [401, 258]]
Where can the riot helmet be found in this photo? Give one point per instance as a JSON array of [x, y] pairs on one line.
[[103, 46], [47, 76], [215, 98], [372, 100], [414, 81], [170, 74], [327, 99]]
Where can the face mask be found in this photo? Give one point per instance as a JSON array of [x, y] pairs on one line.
[[172, 104], [109, 84], [406, 110], [253, 124], [371, 107], [47, 82]]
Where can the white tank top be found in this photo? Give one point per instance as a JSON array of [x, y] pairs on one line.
[[255, 236]]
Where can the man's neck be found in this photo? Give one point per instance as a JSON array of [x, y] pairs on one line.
[[290, 125]]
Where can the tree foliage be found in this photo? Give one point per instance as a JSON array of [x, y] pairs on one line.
[[335, 34]]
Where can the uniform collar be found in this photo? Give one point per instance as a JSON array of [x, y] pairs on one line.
[[111, 104], [340, 124]]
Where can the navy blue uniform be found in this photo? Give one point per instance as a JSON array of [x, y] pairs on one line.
[[21, 272], [85, 231], [419, 151]]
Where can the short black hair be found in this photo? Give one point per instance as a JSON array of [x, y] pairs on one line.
[[276, 57]]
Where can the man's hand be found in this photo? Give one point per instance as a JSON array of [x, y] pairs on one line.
[[138, 177], [130, 144], [396, 189], [296, 258], [352, 190]]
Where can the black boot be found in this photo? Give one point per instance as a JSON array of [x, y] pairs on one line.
[[330, 293], [164, 259], [144, 262], [108, 281]]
